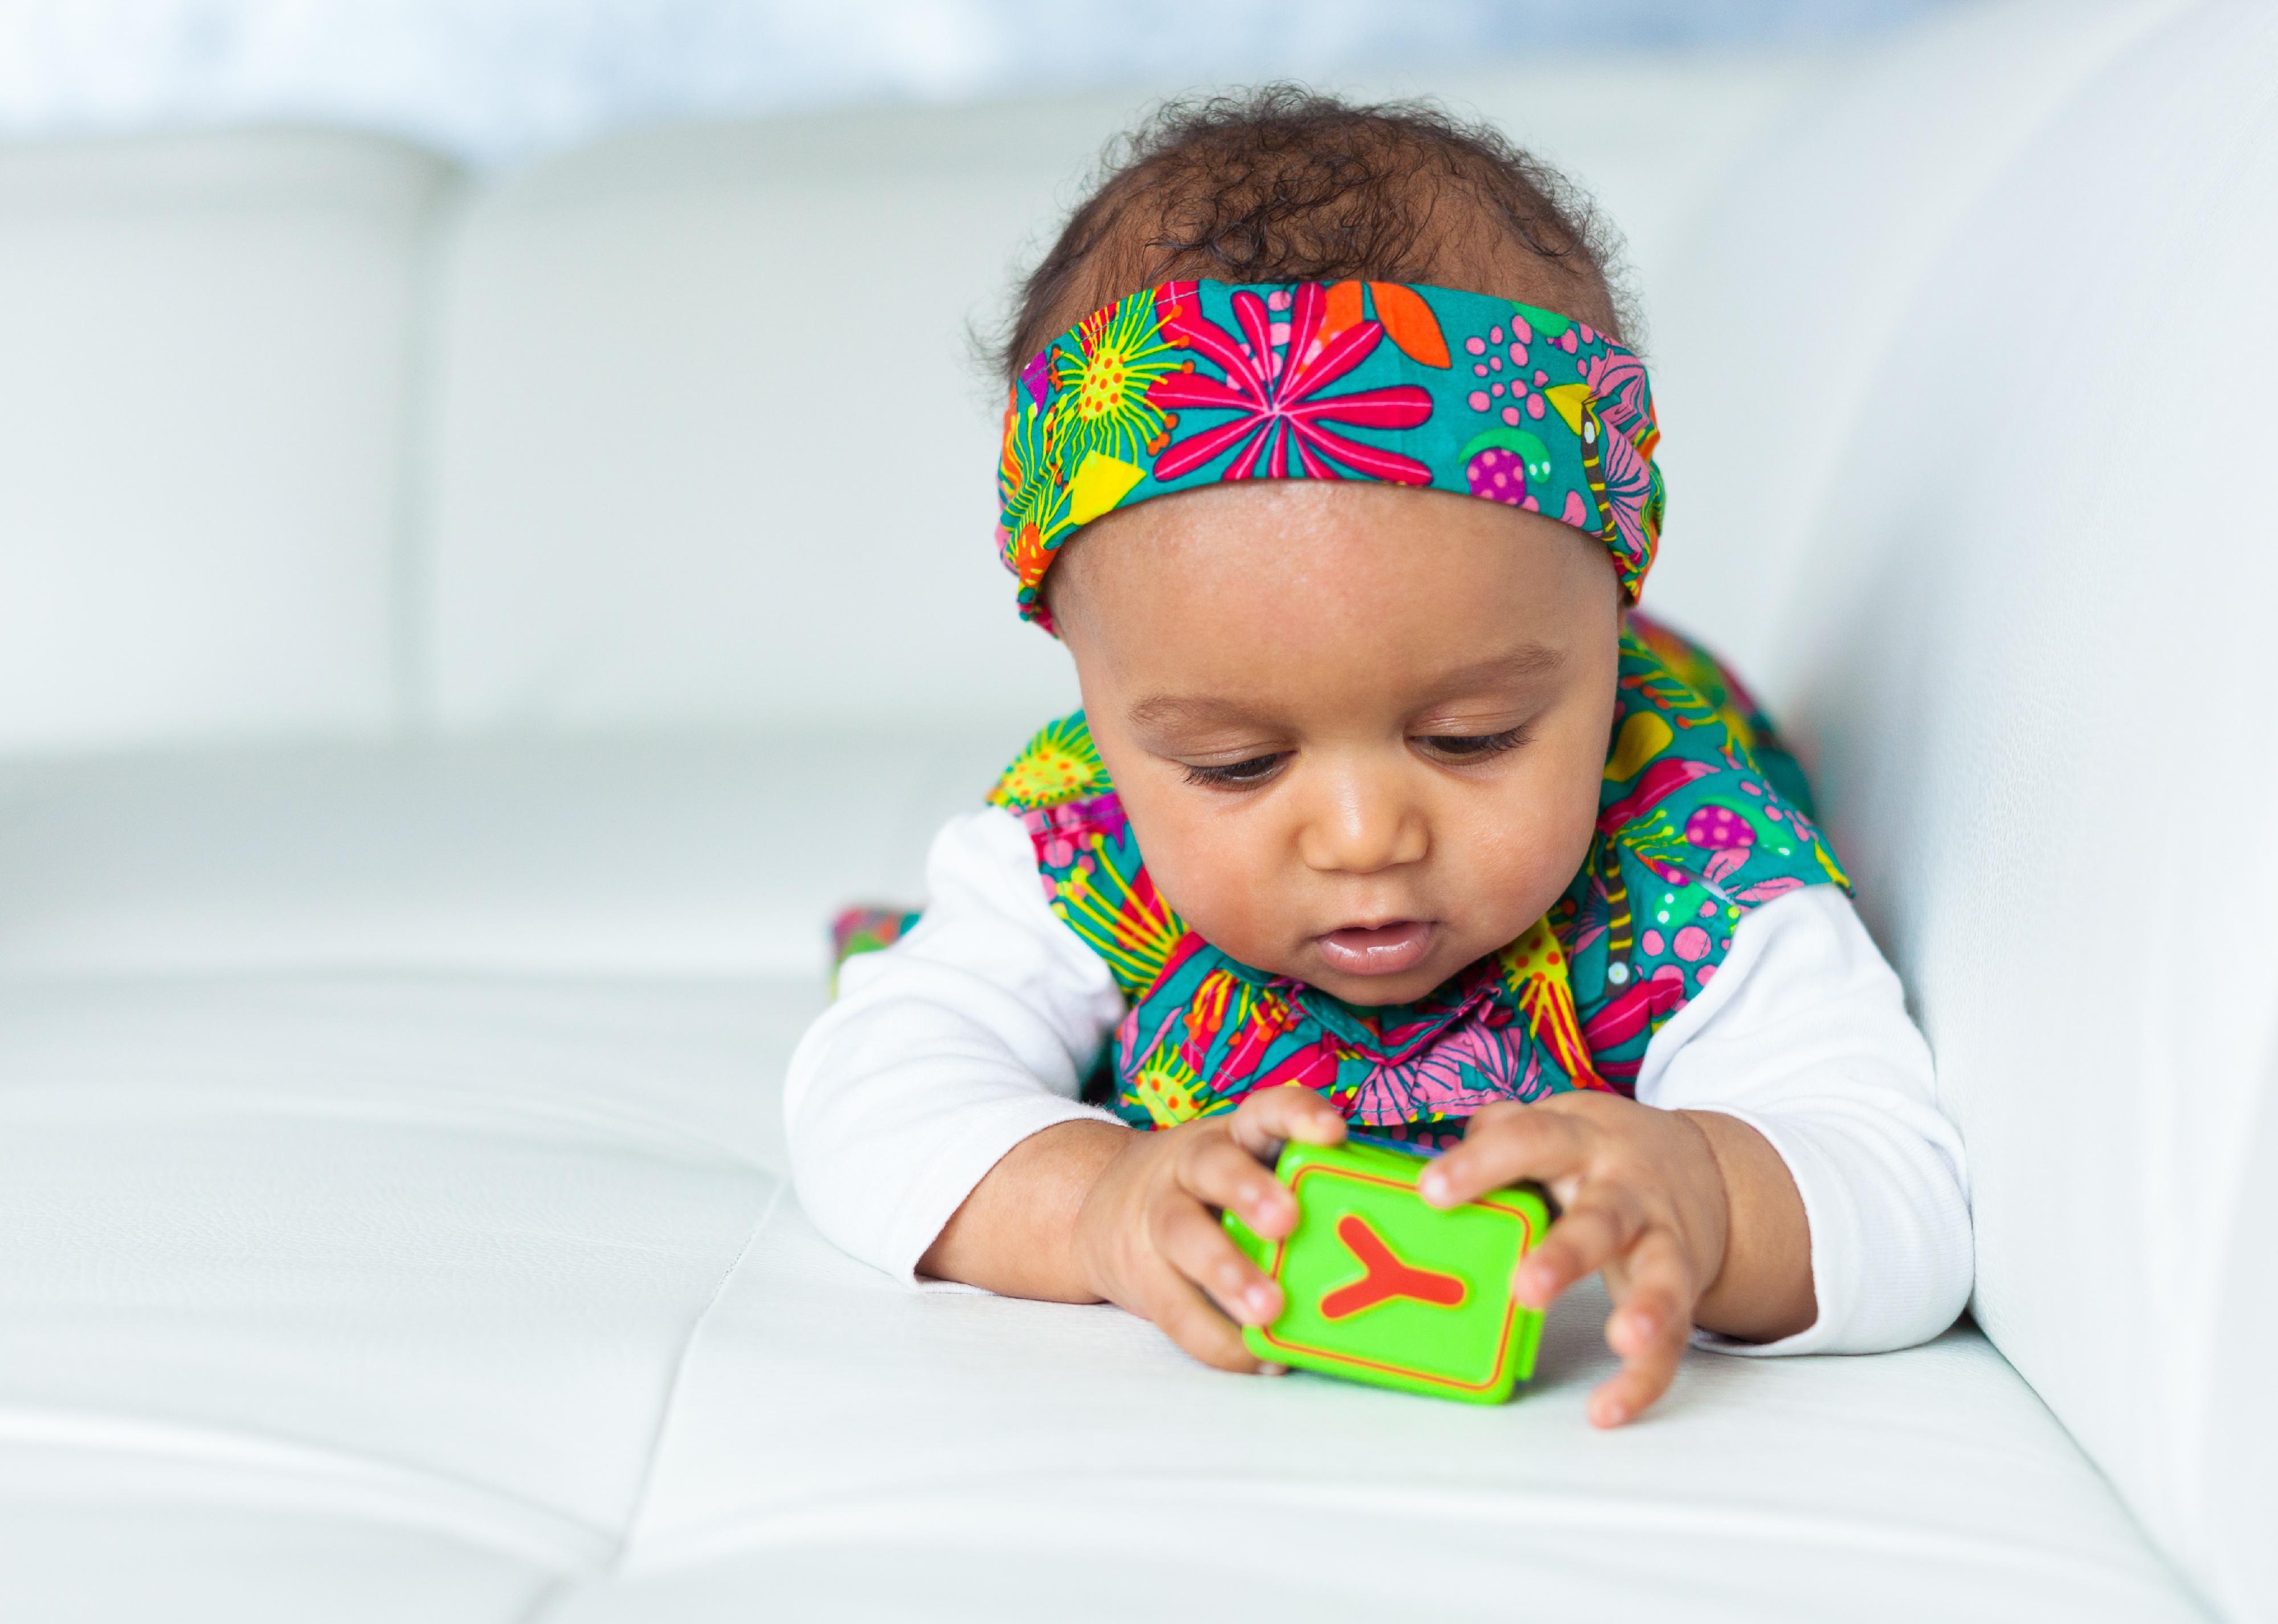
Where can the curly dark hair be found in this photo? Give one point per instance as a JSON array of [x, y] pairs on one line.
[[1280, 183]]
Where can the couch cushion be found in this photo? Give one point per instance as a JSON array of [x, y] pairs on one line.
[[415, 1253], [2027, 665], [204, 419], [663, 856], [950, 1455], [1787, 293], [712, 442], [76, 1552]]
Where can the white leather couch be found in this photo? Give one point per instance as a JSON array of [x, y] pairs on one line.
[[452, 660]]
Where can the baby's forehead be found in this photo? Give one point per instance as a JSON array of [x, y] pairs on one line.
[[1260, 537]]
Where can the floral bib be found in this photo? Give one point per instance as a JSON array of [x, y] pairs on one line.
[[1702, 817]]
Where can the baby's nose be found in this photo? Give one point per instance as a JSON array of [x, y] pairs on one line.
[[1363, 825]]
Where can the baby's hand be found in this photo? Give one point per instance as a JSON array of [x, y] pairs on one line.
[[1151, 1241], [1641, 1196]]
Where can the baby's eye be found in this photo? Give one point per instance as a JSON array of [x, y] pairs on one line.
[[1238, 775], [1472, 746]]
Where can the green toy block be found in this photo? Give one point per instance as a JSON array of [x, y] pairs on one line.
[[1378, 1287]]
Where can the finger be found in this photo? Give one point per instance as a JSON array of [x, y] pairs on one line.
[[1598, 1228], [1651, 1323], [1503, 1145], [1188, 1318], [1218, 1172], [1193, 1243], [1270, 1117]]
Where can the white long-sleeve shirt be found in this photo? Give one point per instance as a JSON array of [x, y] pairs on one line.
[[976, 1030]]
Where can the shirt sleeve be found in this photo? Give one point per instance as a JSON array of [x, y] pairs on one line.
[[1803, 1034], [946, 1050]]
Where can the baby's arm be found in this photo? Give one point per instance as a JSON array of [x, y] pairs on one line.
[[1088, 1211], [1805, 1037], [934, 1128], [1798, 1190], [967, 1038]]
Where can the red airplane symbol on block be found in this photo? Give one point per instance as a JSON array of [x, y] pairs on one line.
[[1387, 1276]]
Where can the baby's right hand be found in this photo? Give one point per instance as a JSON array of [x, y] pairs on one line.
[[1149, 1234]]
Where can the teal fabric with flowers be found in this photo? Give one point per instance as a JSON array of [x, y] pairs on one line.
[[1195, 383]]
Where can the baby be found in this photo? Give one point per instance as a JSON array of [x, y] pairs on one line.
[[1325, 460]]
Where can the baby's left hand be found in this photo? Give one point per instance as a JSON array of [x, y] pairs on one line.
[[1641, 1196]]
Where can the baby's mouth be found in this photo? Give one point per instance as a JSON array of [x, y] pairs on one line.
[[1377, 950]]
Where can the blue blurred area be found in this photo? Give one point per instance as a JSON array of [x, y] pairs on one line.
[[495, 80]]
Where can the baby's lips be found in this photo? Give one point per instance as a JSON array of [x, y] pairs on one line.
[[1387, 949]]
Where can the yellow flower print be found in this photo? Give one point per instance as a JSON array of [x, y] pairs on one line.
[[1101, 373], [1058, 765], [1165, 1087]]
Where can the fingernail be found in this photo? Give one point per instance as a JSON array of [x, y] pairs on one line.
[[1259, 1300], [1273, 1370], [1433, 1184]]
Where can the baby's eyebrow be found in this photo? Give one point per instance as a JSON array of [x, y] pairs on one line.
[[1517, 666], [1180, 710], [1524, 664]]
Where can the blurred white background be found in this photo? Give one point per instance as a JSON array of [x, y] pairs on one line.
[[497, 81]]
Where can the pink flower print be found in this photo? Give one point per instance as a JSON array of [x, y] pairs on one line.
[[1276, 399], [1725, 835], [1473, 1064], [1628, 1014], [1764, 891], [1036, 377], [1499, 475], [1629, 483], [1060, 831], [1659, 781], [1618, 381]]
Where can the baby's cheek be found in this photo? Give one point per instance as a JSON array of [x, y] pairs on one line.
[[1208, 872], [1518, 858]]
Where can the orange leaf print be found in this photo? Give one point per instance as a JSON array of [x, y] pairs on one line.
[[1409, 322], [1341, 308]]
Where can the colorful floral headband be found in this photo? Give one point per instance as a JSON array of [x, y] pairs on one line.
[[1192, 383]]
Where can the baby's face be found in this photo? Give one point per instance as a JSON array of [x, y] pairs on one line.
[[1359, 729]]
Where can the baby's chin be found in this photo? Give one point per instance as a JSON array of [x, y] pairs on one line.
[[1375, 991]]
